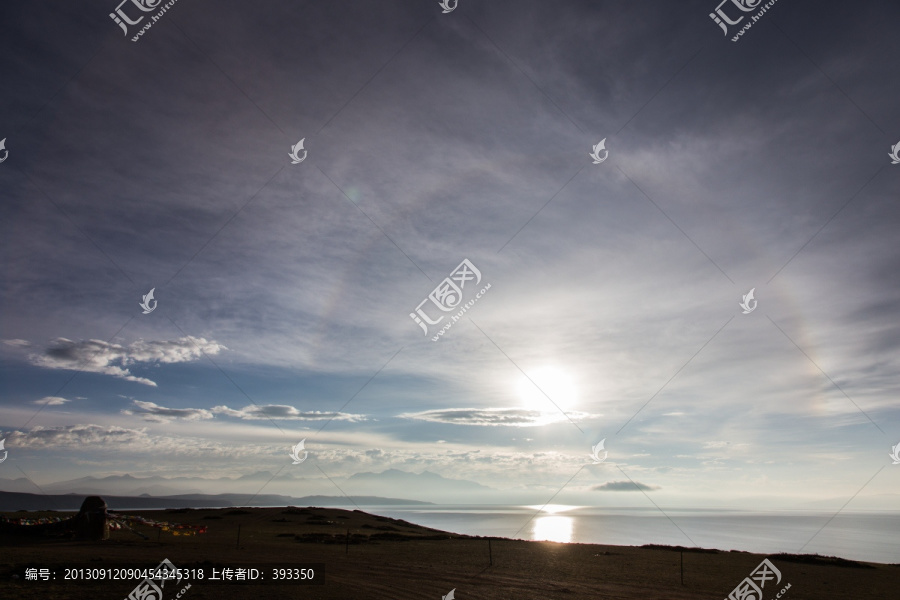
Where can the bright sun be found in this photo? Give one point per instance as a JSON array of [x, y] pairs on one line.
[[555, 383]]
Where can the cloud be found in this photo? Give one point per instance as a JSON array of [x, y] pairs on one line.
[[715, 444], [511, 417], [283, 411], [625, 486], [160, 414], [97, 356], [181, 350], [155, 413], [76, 436], [80, 440], [51, 401], [17, 343]]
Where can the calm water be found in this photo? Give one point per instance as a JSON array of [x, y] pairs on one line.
[[871, 537]]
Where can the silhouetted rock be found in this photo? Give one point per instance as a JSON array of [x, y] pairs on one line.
[[90, 523]]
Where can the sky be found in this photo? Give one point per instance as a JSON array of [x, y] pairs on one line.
[[283, 292]]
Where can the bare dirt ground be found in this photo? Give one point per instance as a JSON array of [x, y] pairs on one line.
[[365, 556]]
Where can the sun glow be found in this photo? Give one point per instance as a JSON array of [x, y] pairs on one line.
[[552, 509], [548, 382]]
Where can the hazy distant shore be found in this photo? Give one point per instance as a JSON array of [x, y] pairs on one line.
[[14, 501]]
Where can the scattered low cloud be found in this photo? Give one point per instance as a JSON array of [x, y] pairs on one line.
[[97, 356], [51, 401], [284, 411], [625, 486], [715, 444], [17, 343], [87, 435], [493, 417], [155, 413], [82, 440]]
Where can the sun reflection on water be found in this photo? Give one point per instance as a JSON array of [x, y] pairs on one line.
[[553, 529]]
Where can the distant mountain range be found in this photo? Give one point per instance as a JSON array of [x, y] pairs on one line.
[[15, 501], [128, 491], [426, 480], [282, 488], [303, 485]]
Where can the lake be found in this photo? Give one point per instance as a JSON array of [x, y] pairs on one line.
[[871, 536]]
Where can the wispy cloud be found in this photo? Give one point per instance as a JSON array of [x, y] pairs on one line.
[[124, 441], [510, 417], [160, 414], [284, 411], [97, 356], [51, 401], [715, 444], [79, 436], [154, 413]]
